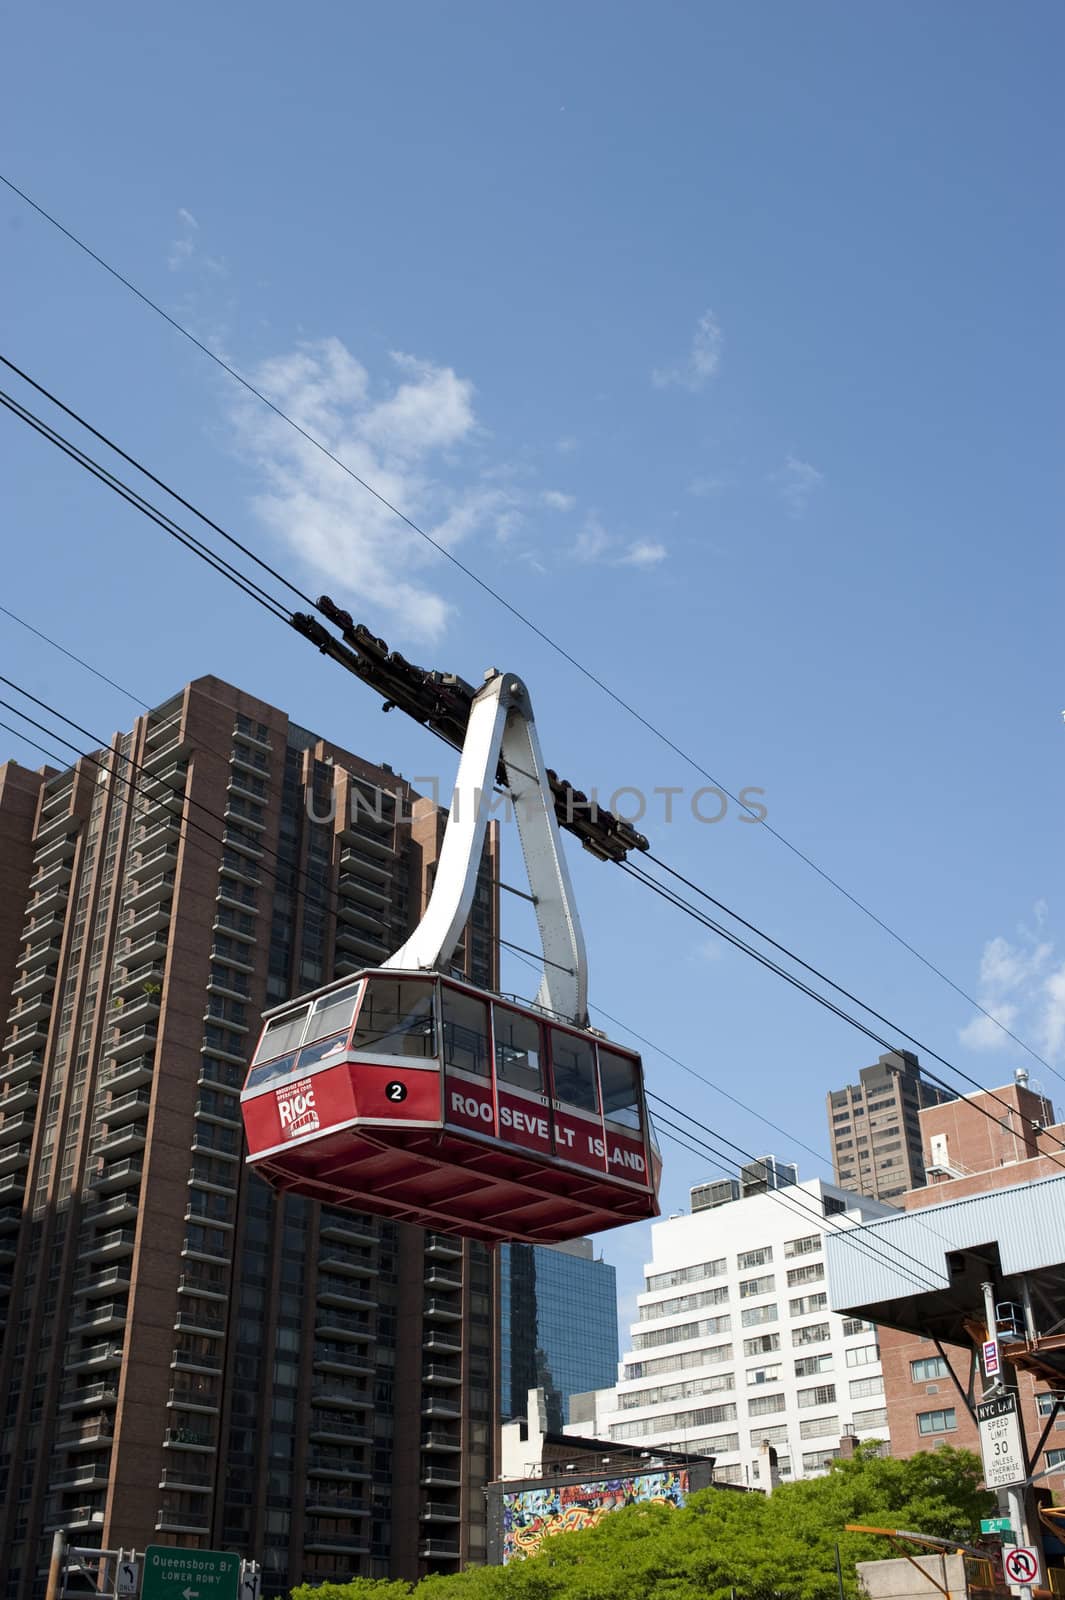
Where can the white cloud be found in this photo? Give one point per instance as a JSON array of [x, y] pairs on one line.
[[557, 500], [1022, 990], [398, 440], [644, 553], [185, 249], [796, 482], [593, 541], [701, 362]]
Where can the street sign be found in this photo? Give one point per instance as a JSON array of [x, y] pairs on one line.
[[992, 1365], [250, 1583], [995, 1525], [127, 1575], [1000, 1442], [1021, 1565], [173, 1574]]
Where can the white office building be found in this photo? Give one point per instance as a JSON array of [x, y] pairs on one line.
[[735, 1346]]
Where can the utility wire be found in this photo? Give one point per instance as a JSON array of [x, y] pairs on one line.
[[673, 899], [137, 701], [515, 612]]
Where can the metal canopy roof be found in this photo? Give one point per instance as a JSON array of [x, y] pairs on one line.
[[921, 1271]]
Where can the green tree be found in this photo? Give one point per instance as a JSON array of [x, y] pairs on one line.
[[781, 1545]]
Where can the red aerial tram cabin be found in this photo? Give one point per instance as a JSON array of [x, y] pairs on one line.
[[423, 1098]]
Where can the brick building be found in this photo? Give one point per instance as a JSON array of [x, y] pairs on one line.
[[873, 1124], [967, 1153], [185, 1358]]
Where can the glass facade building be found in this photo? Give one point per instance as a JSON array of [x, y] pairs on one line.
[[558, 1325]]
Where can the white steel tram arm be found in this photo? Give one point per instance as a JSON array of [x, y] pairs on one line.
[[501, 728]]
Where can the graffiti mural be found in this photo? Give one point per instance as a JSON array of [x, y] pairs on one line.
[[532, 1515]]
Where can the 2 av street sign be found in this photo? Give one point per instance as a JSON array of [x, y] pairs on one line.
[[996, 1525], [1000, 1442], [173, 1574]]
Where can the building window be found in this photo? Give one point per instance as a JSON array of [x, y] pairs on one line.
[[761, 1405], [819, 1428], [804, 1304], [864, 1388], [945, 1421], [749, 1287], [863, 1355], [753, 1315], [813, 1273], [824, 1394], [810, 1366], [1055, 1458], [853, 1325], [806, 1246], [928, 1368], [762, 1345], [750, 1259], [1046, 1404], [816, 1333], [875, 1418], [757, 1375]]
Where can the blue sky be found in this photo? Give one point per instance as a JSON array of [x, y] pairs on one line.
[[722, 339]]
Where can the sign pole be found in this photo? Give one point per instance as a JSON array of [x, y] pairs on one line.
[[1012, 1493], [55, 1566]]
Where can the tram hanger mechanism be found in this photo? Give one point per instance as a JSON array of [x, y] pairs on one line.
[[416, 1095]]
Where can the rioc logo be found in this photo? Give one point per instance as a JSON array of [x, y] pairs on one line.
[[296, 1109]]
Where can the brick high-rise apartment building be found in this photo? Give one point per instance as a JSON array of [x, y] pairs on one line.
[[187, 1360], [876, 1141]]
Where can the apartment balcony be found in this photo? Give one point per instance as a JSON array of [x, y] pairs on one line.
[[251, 788], [16, 1125], [237, 865], [203, 1398], [121, 1207], [197, 1213], [164, 731], [48, 920], [150, 888], [435, 1476], [152, 919], [30, 1037], [437, 1276], [10, 1218], [182, 1522], [8, 1248], [137, 1042], [34, 1009], [243, 957], [255, 761], [340, 1325], [22, 1098], [326, 1505], [209, 1140], [89, 1475], [158, 828], [198, 1481], [350, 1544], [191, 1320], [340, 1397], [88, 1434], [25, 1068], [443, 1310], [440, 1511], [212, 1286], [362, 832], [442, 1341], [218, 1108], [83, 1516], [357, 941], [443, 1245], [47, 904], [129, 1107], [355, 1263], [341, 1358], [236, 811], [14, 1157], [446, 1373], [338, 1464], [123, 1141], [12, 1186], [349, 1229], [95, 1283], [334, 1427], [168, 756], [149, 948], [438, 1407], [235, 988], [438, 1440], [122, 1076], [117, 1175], [204, 1361], [59, 849], [99, 1357], [360, 861], [103, 1393], [354, 886], [138, 976], [36, 981], [115, 1243], [230, 893], [223, 1075], [439, 1549], [136, 1011], [343, 1292], [200, 1439], [166, 780], [106, 1318], [372, 919]]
